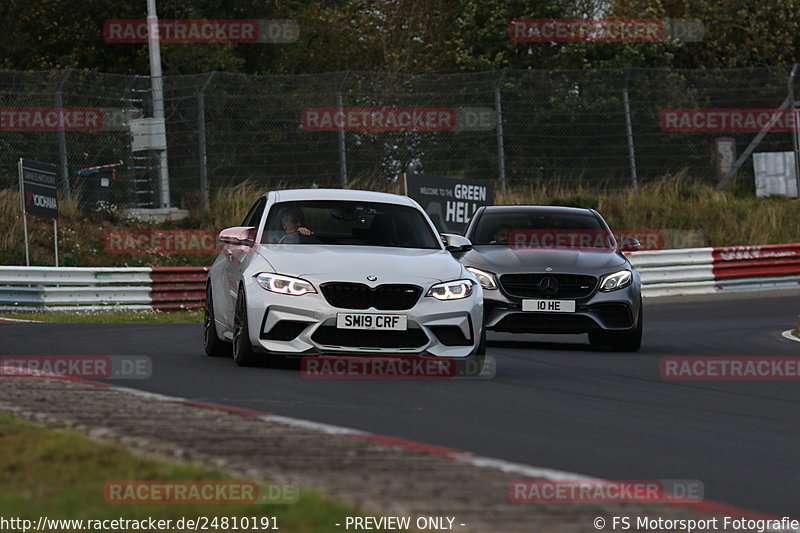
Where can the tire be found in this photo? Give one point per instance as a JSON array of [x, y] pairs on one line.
[[481, 349], [477, 359], [242, 349], [212, 344], [598, 338], [628, 342]]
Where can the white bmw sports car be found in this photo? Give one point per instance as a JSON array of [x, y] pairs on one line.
[[329, 271]]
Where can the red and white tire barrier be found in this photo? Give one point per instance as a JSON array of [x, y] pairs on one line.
[[722, 269]]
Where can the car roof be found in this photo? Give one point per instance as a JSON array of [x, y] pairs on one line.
[[290, 195], [538, 209]]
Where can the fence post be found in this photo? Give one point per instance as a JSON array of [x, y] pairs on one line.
[[498, 110], [62, 138], [787, 102], [201, 140], [796, 129], [629, 129], [342, 145]]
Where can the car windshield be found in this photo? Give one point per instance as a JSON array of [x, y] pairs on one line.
[[542, 229], [348, 223]]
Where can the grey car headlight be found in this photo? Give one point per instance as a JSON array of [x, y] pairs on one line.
[[486, 279], [284, 284], [451, 290], [617, 280]]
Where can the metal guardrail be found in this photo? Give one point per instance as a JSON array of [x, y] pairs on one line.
[[79, 288], [664, 273]]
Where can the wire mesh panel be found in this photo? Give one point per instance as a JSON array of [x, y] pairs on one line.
[[366, 128]]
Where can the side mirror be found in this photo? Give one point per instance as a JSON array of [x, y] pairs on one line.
[[456, 243], [629, 244], [238, 236]]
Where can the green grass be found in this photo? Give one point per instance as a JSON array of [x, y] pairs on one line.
[[725, 218], [61, 474], [109, 317]]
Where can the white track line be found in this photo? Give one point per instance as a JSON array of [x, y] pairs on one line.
[[788, 335], [4, 319]]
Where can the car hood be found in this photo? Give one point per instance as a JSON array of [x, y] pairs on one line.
[[355, 263], [502, 259]]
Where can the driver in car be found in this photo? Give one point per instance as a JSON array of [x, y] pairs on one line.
[[501, 234], [294, 226]]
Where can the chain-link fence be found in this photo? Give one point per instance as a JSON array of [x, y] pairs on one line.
[[516, 127]]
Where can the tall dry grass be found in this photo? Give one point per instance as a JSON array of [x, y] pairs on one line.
[[676, 203], [724, 218]]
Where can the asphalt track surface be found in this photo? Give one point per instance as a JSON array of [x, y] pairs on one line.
[[555, 401]]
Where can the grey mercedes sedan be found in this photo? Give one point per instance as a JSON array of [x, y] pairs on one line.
[[548, 269]]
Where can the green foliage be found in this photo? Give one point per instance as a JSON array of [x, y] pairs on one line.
[[396, 35]]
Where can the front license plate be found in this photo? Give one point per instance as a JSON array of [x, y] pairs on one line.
[[371, 321], [549, 306]]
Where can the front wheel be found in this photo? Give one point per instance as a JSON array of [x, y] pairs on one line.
[[629, 341], [242, 349], [212, 344], [476, 360]]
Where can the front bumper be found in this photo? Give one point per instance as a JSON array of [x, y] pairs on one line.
[[601, 311], [306, 325]]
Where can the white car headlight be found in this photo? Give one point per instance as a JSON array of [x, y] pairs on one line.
[[617, 280], [284, 284], [452, 290], [486, 279]]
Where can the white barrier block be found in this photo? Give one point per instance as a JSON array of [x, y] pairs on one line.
[[96, 295], [677, 289], [682, 257], [19, 275], [671, 274]]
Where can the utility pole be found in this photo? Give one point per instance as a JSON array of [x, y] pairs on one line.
[[157, 84]]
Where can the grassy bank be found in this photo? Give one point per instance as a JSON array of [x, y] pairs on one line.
[[61, 475], [679, 203]]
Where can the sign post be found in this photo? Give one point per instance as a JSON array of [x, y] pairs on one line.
[[37, 188]]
